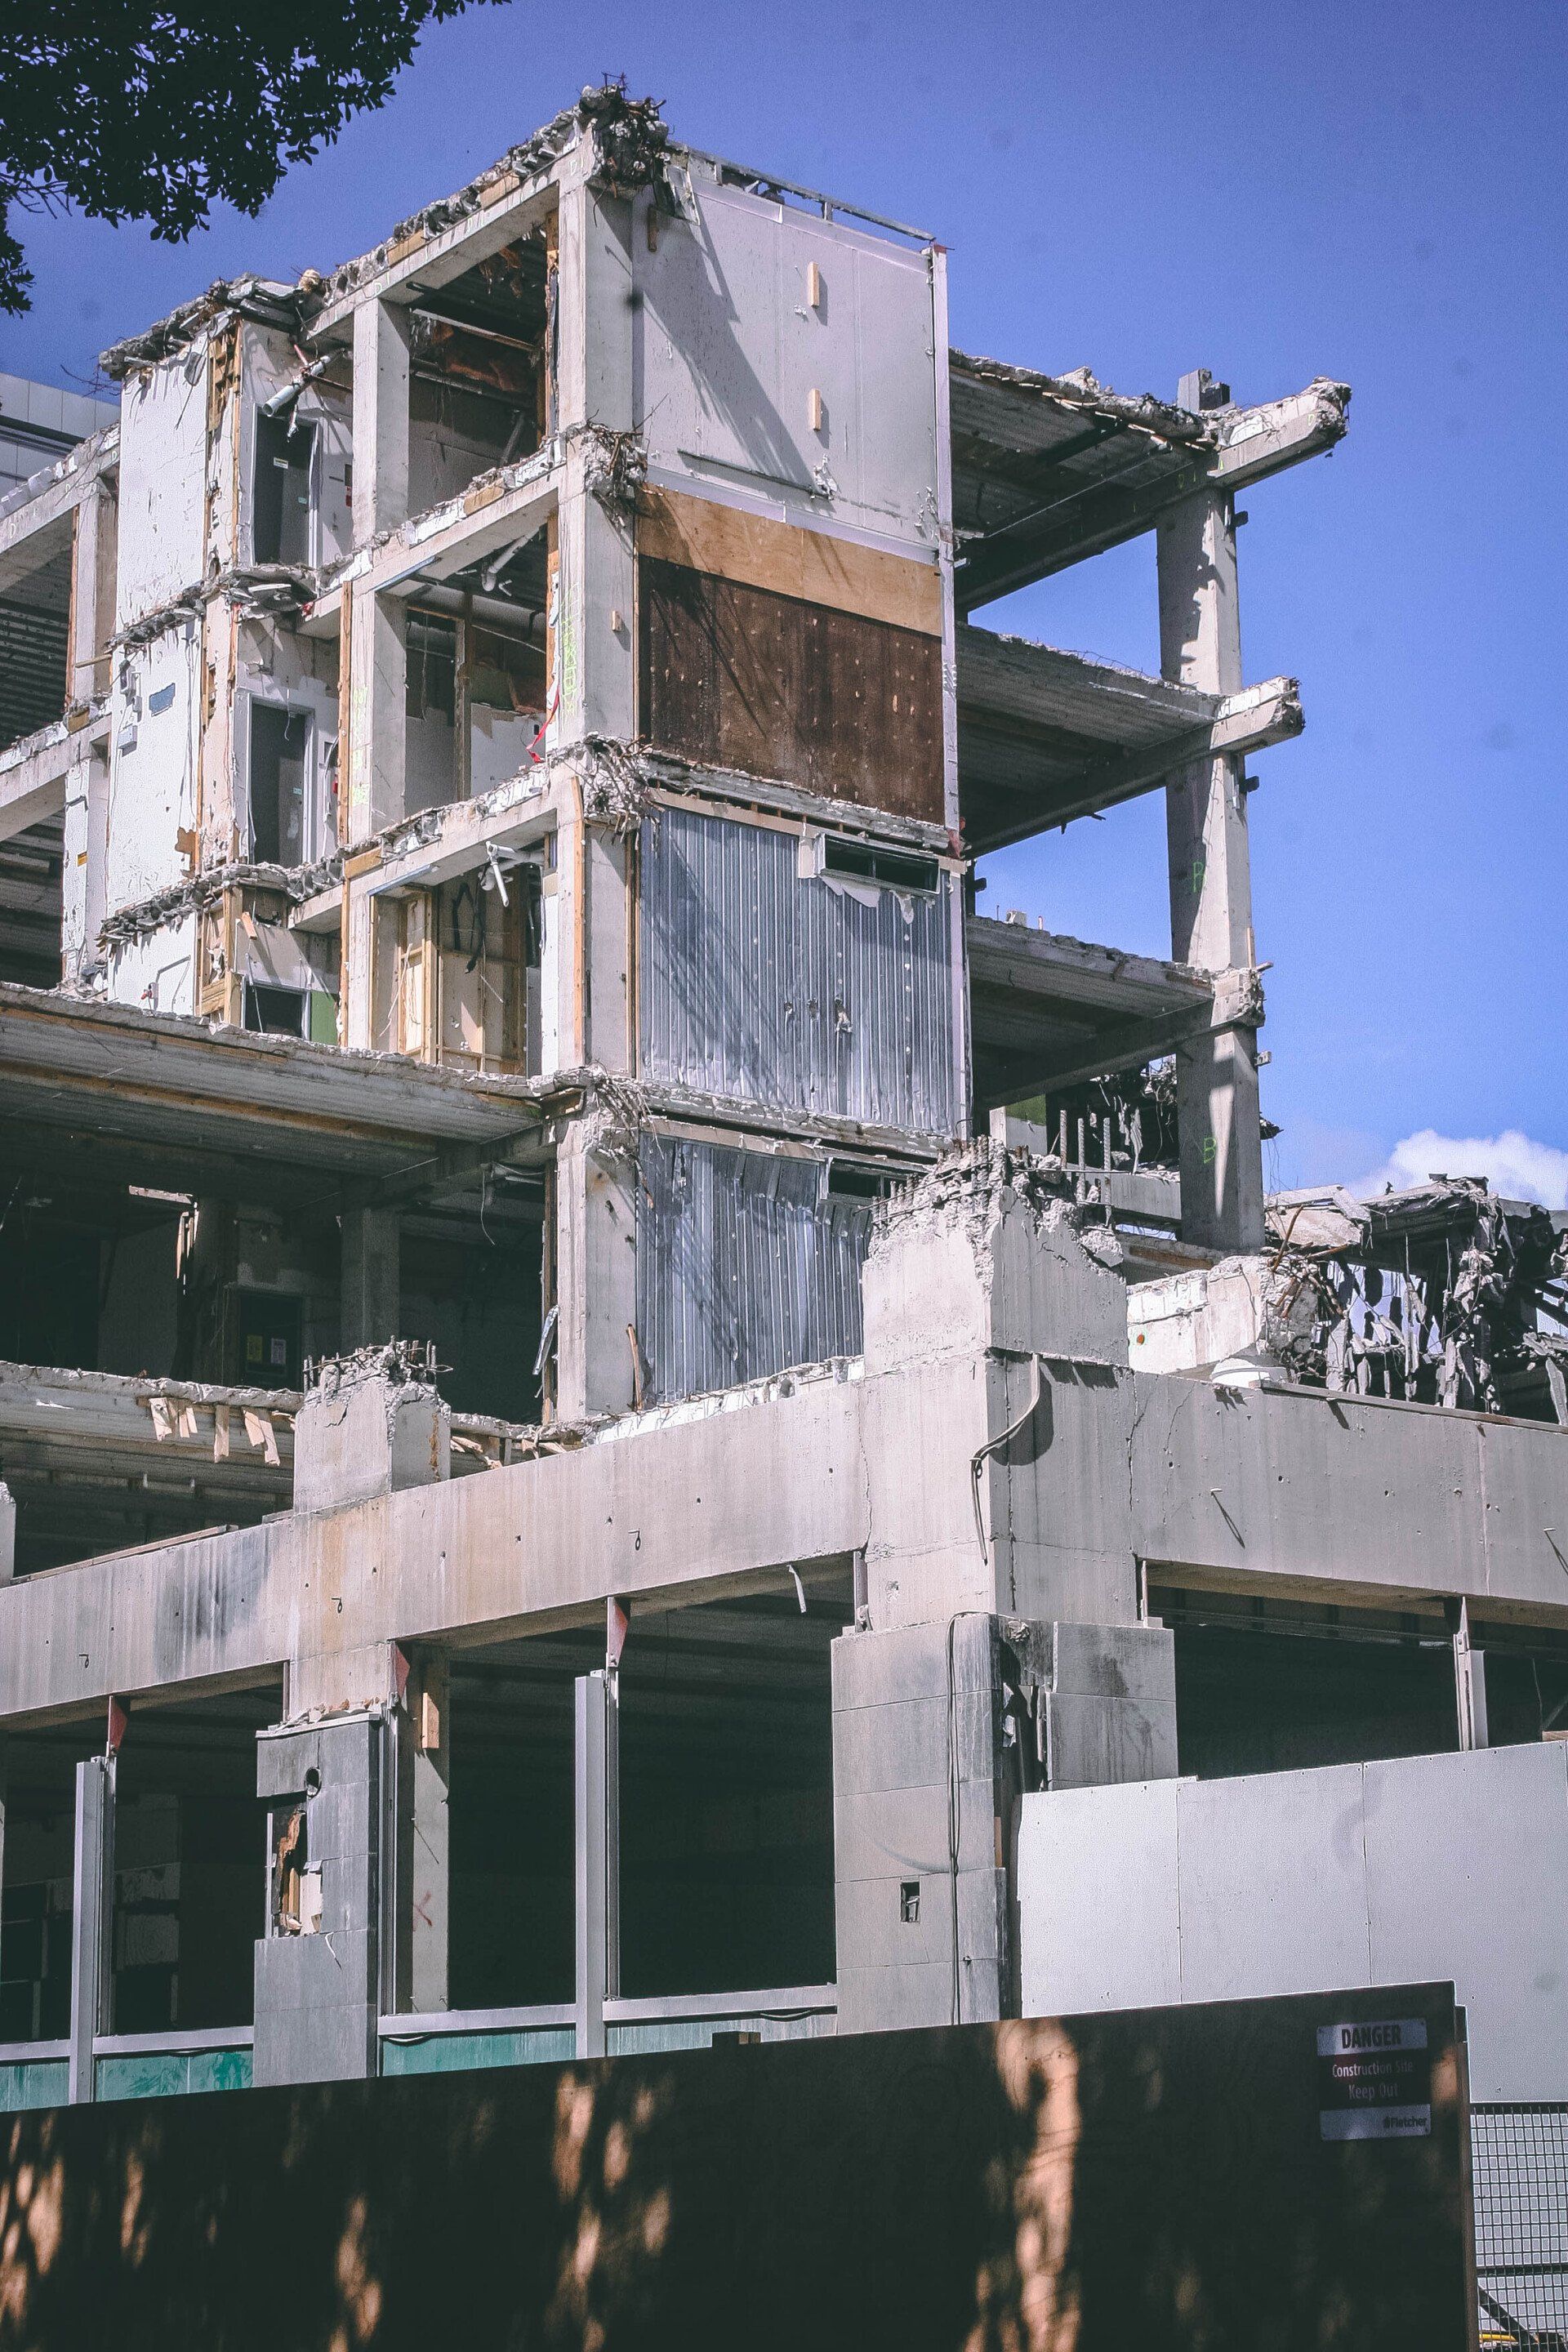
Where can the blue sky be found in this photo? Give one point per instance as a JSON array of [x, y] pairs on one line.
[[1373, 192]]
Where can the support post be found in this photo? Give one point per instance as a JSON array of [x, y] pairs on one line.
[[597, 1370], [429, 1841], [370, 1277], [83, 902], [596, 1779], [1469, 1680], [377, 747], [92, 1919], [1211, 881], [380, 375], [93, 594], [8, 1533], [5, 1797]]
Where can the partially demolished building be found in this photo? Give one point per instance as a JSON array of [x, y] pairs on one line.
[[605, 1379]]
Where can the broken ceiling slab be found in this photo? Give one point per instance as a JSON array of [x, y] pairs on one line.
[[35, 516], [1045, 736], [264, 299], [33, 771], [1049, 1012], [112, 1094], [509, 504], [1317, 1217], [1049, 469], [450, 236]]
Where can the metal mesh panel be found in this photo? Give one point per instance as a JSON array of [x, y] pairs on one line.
[[757, 982], [1520, 2161], [745, 1264]]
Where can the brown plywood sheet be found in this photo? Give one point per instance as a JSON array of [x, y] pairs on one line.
[[739, 677], [734, 544]]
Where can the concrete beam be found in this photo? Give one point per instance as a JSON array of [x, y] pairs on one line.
[[1257, 442], [501, 510], [425, 260], [1250, 720], [1331, 1496], [41, 516], [35, 773]]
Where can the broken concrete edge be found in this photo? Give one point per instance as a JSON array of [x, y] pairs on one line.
[[1206, 434], [205, 888], [280, 1405], [632, 138], [1082, 390], [98, 450], [74, 721], [246, 296]]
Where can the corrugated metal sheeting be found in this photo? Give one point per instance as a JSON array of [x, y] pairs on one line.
[[745, 1264], [786, 988]]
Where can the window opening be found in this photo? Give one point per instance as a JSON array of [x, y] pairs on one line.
[[279, 742], [280, 493]]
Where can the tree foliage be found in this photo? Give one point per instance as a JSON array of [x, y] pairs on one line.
[[127, 110]]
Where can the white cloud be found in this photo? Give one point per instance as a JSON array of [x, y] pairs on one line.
[[1514, 1165]]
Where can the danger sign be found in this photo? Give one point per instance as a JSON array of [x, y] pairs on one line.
[[1374, 2080]]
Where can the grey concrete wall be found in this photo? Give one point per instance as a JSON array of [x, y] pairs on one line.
[[317, 1996], [917, 1765], [937, 1731], [1405, 1498], [1426, 1868]]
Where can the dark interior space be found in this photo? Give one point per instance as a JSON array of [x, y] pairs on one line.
[[70, 1257], [1260, 1690], [726, 1804], [479, 371], [32, 904], [279, 741], [189, 1868], [34, 613], [1526, 1682], [471, 1286]]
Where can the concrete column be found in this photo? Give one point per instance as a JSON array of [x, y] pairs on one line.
[[92, 1919], [939, 1731], [369, 1295], [381, 425], [8, 1533], [376, 762], [982, 1289], [596, 1783], [93, 594], [427, 1732], [318, 1968], [5, 1797], [1211, 884], [1469, 1679], [361, 1434], [595, 1273], [1001, 1649], [86, 848]]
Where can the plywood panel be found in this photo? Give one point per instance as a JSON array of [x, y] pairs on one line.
[[733, 543], [737, 676]]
